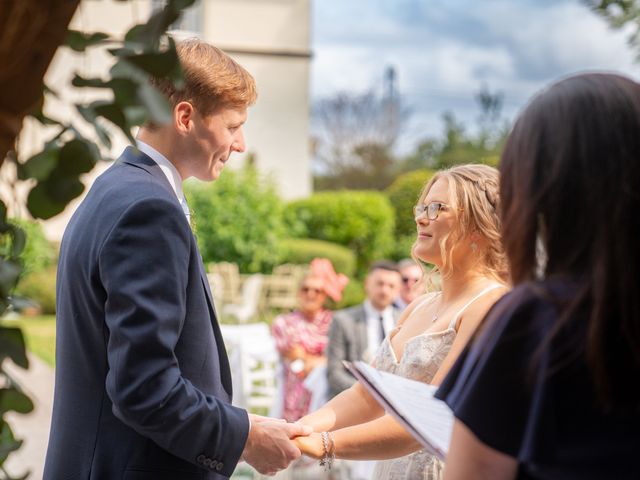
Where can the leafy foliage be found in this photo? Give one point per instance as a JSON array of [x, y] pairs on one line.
[[38, 253], [302, 250], [353, 294], [361, 221], [239, 218], [403, 194], [54, 173], [620, 14], [40, 286], [355, 135]]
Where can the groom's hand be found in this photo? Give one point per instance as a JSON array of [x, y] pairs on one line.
[[269, 448]]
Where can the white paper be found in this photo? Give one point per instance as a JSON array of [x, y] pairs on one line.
[[412, 403]]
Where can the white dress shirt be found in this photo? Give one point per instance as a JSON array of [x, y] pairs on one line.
[[170, 171], [374, 339]]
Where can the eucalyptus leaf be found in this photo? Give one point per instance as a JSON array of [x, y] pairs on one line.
[[79, 81], [18, 242], [9, 273], [136, 115], [111, 112], [125, 91], [8, 443], [14, 400], [41, 164], [160, 64], [63, 187], [115, 114], [133, 34], [181, 4], [123, 69], [40, 205], [76, 157], [156, 103], [150, 32], [103, 135], [80, 41], [12, 346]]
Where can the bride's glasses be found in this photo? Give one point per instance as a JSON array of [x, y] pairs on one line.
[[432, 210]]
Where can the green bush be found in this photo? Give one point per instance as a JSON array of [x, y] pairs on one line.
[[403, 194], [353, 294], [402, 247], [40, 286], [38, 253], [238, 218], [362, 221], [302, 250]]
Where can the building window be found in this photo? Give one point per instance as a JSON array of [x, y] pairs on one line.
[[191, 19]]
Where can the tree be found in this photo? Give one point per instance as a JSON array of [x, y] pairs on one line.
[[355, 138], [619, 13], [459, 147], [31, 32]]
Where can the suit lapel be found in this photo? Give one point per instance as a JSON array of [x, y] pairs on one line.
[[136, 158], [362, 335], [225, 369]]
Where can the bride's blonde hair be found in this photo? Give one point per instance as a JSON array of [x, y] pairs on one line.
[[475, 201]]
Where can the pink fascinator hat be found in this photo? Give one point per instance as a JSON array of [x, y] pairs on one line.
[[334, 283]]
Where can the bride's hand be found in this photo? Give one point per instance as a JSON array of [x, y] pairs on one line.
[[310, 446]]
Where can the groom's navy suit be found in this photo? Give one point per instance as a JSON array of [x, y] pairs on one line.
[[143, 386]]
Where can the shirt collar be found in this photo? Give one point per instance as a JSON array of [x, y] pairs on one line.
[[168, 168], [372, 312]]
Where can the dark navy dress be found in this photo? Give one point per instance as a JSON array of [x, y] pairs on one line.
[[536, 402]]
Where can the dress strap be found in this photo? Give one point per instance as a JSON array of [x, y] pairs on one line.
[[461, 311]]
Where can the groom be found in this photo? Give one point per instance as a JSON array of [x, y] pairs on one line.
[[143, 386]]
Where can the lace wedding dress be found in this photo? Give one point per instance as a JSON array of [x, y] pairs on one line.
[[421, 359]]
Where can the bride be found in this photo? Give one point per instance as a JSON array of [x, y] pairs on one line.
[[458, 231]]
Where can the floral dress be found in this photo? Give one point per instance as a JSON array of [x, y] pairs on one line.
[[289, 331]]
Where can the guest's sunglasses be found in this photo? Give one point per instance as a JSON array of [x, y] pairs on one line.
[[408, 280], [305, 289]]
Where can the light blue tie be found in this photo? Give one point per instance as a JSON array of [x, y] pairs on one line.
[[185, 209]]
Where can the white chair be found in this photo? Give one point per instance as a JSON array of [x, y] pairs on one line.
[[216, 284], [253, 359], [249, 300]]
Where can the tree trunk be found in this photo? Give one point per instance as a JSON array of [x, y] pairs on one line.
[[30, 33]]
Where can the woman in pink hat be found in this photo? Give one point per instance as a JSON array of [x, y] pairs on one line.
[[301, 336]]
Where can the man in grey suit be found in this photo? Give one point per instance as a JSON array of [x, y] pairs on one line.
[[357, 332]]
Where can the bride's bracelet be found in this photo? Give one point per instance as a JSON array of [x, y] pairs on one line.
[[329, 448]]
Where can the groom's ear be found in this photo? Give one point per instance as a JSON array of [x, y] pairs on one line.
[[183, 114]]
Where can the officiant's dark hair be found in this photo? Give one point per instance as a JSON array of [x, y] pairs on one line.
[[570, 188]]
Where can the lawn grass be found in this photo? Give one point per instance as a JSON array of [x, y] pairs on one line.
[[39, 333]]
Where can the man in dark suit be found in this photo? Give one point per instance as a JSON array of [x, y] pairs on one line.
[[143, 386], [357, 332]]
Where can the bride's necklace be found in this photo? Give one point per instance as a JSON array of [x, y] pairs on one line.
[[434, 319]]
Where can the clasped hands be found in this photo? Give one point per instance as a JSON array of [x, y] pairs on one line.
[[273, 444]]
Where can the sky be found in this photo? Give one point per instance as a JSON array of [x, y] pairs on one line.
[[445, 51]]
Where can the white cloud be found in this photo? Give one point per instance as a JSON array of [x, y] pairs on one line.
[[444, 51]]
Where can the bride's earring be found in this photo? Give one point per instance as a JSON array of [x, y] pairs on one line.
[[474, 247]]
